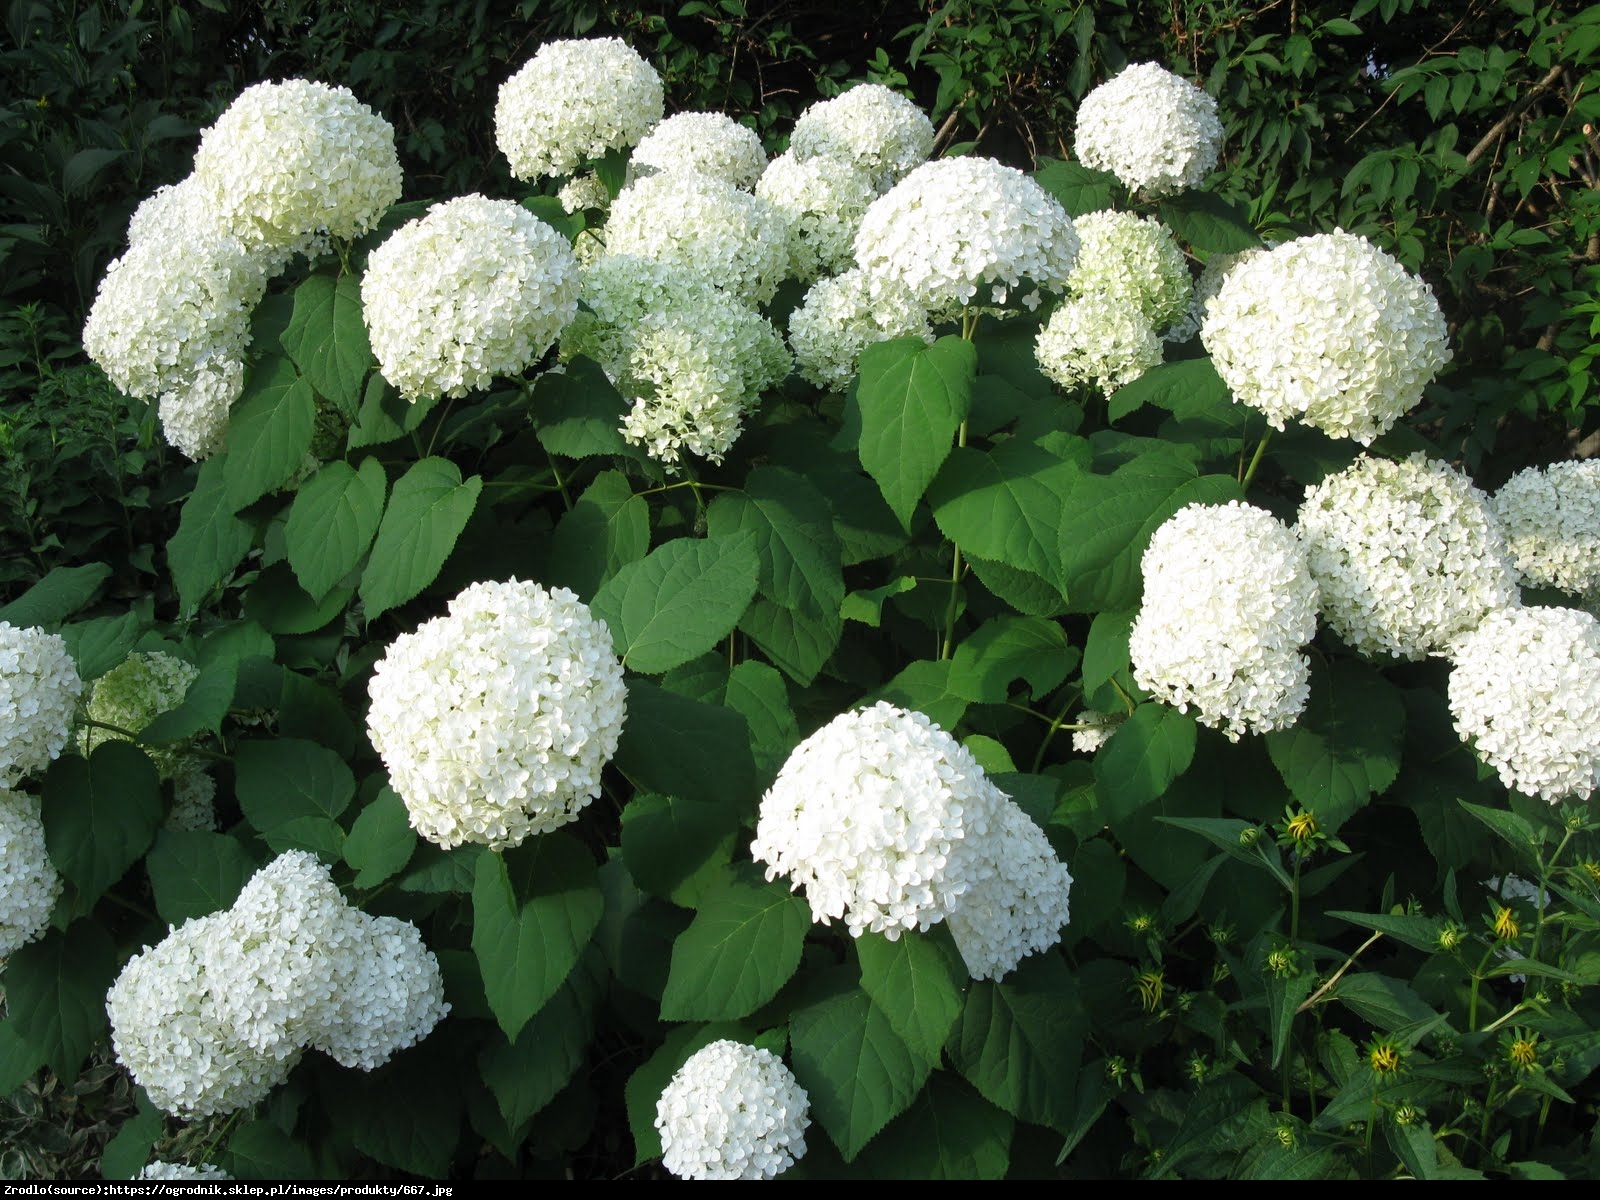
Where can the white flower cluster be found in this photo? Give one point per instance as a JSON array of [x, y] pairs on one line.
[[583, 191], [1154, 131], [572, 102], [134, 693], [878, 131], [842, 316], [889, 823], [289, 161], [219, 1012], [1097, 339], [1205, 289], [1228, 604], [172, 1170], [1328, 330], [1407, 555], [733, 240], [1134, 259], [39, 690], [495, 720], [29, 883], [1099, 728], [1525, 692], [475, 289], [194, 795], [823, 200], [732, 1112], [1551, 520], [955, 225], [711, 143]]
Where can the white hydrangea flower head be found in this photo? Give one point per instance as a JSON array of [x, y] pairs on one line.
[[39, 690], [1551, 520], [475, 289], [877, 130], [1407, 555], [955, 225], [194, 414], [584, 191], [1134, 259], [1525, 694], [166, 308], [134, 693], [1100, 728], [734, 240], [1097, 340], [390, 1000], [621, 292], [1329, 330], [571, 103], [289, 161], [711, 143], [174, 212], [823, 200], [1153, 130], [732, 1112], [1228, 604], [29, 882], [842, 316], [495, 720], [194, 795], [172, 1170], [1205, 289]]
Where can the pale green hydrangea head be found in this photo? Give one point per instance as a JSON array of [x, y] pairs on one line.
[[842, 316], [823, 200], [876, 130], [1551, 520], [134, 693], [1097, 340], [1133, 259], [705, 142]]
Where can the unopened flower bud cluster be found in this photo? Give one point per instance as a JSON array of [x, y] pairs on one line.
[[732, 1111]]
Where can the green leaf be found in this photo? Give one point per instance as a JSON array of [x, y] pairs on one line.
[[1413, 1144], [1517, 832], [757, 691], [269, 433], [1414, 930], [913, 397], [866, 605], [286, 779], [665, 840], [62, 592], [56, 994], [194, 873], [381, 840], [1006, 505], [327, 338], [924, 686], [127, 1153], [204, 706], [1187, 388], [1019, 1041], [332, 522], [529, 1072], [1022, 590], [1347, 744], [1008, 648], [99, 644], [682, 747], [386, 415], [406, 1113], [607, 528], [678, 601], [794, 538], [534, 910], [949, 1132], [1389, 1004], [917, 981], [1105, 650], [799, 642], [1284, 996], [19, 1058], [100, 814], [1151, 748], [428, 509], [260, 1150], [743, 945], [210, 541], [1208, 223], [856, 1070], [578, 413], [1079, 188]]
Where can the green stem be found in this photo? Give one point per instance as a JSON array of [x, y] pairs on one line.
[[439, 426], [1294, 903], [1056, 724], [949, 644], [1544, 894], [1477, 981], [1261, 449]]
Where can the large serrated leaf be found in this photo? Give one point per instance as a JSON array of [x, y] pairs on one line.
[[1008, 648], [949, 1132], [607, 528], [1080, 189], [427, 511], [62, 592], [1208, 223], [1187, 388], [666, 839], [381, 840], [918, 982], [526, 1073], [682, 747], [269, 433], [327, 339], [100, 814], [332, 522], [56, 994], [794, 536], [210, 541], [742, 946], [194, 873], [286, 779], [578, 413], [1149, 750]]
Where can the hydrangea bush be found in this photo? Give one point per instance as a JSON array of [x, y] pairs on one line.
[[850, 663]]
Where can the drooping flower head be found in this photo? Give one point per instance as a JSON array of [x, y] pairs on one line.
[[823, 200], [1228, 604], [1551, 520], [495, 720], [956, 225], [1525, 692], [842, 316], [1155, 132], [475, 289], [29, 883], [39, 690], [571, 103], [1328, 330], [1135, 260], [291, 160], [878, 131], [1407, 555], [1099, 340], [732, 1111], [132, 694], [711, 143]]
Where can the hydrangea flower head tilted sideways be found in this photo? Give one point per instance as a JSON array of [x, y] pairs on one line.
[[1328, 330], [39, 690], [956, 225], [1406, 554], [1525, 691], [874, 129], [475, 289], [1099, 340], [496, 719], [1154, 131], [571, 103], [711, 143], [288, 161], [732, 1112], [29, 883], [1228, 604], [1551, 520], [888, 822]]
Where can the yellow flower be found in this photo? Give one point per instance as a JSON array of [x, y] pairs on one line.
[[1522, 1049], [1383, 1056], [1301, 826], [1151, 986], [1505, 925]]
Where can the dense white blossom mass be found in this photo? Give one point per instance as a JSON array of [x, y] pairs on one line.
[[1551, 520], [711, 143], [1135, 260], [1097, 340], [39, 690], [876, 130], [1154, 131], [732, 1111], [842, 316], [823, 200], [29, 882]]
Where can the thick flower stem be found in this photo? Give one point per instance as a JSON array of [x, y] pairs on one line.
[[957, 567], [1255, 461]]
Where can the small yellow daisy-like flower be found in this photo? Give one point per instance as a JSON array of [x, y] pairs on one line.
[[1505, 925], [1151, 986], [1383, 1056], [1301, 826], [1522, 1049], [1592, 870], [1449, 938]]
